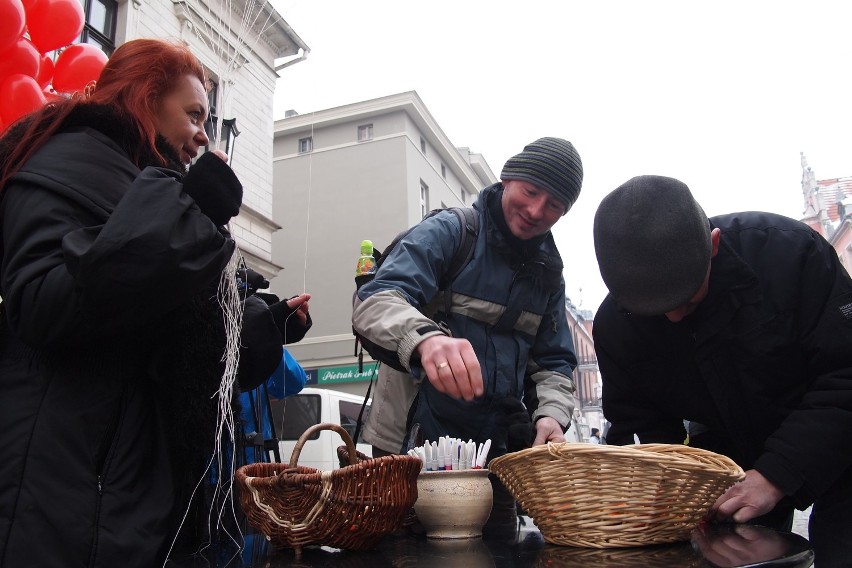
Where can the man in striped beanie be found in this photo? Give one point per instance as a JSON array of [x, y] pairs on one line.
[[487, 355]]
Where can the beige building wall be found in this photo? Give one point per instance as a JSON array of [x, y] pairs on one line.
[[343, 191]]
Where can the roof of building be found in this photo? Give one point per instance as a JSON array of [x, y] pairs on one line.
[[833, 191]]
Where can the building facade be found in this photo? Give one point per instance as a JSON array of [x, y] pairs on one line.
[[366, 170], [244, 46], [828, 210], [589, 413]]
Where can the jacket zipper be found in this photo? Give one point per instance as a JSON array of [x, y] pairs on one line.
[[101, 463]]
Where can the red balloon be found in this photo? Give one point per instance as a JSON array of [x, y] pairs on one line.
[[45, 71], [20, 95], [22, 57], [54, 23], [76, 66], [11, 22]]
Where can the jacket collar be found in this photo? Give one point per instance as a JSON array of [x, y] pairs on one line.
[[121, 128], [733, 284], [545, 251]]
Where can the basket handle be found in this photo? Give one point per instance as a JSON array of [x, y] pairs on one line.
[[297, 449]]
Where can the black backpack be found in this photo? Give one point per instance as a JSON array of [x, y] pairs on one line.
[[469, 220]]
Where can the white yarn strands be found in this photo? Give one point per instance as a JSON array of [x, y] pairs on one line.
[[227, 29], [232, 310], [223, 445]]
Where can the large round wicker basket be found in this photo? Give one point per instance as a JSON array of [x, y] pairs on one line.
[[604, 496]]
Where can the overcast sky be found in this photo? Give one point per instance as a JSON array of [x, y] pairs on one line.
[[722, 95]]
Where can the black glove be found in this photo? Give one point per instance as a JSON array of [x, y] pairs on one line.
[[291, 328], [514, 423], [215, 188]]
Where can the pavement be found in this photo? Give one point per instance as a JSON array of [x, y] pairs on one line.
[[800, 522]]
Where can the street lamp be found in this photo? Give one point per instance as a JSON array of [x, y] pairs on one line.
[[229, 132], [229, 135]]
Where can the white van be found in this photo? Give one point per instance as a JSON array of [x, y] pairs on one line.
[[295, 414]]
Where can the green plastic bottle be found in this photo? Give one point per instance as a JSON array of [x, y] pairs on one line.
[[366, 262]]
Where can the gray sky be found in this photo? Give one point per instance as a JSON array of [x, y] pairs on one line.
[[721, 95]]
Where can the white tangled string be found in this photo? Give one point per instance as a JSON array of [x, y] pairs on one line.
[[232, 310], [224, 447]]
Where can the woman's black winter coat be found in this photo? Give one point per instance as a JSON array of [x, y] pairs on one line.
[[111, 343]]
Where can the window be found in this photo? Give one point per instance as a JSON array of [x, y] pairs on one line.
[[301, 411], [99, 28], [365, 132], [306, 145], [349, 412], [424, 198], [422, 144], [443, 171], [213, 117]]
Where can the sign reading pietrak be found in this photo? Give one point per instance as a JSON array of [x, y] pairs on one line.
[[347, 374]]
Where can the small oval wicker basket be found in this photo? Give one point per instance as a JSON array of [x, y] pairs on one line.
[[602, 496], [350, 507]]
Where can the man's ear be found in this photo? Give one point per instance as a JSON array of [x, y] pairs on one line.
[[715, 235]]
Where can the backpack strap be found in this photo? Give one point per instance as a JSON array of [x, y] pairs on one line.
[[469, 220]]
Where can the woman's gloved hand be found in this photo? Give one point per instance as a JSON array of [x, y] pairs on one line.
[[292, 316], [215, 188]]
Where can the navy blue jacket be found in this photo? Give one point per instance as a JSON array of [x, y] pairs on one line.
[[509, 306]]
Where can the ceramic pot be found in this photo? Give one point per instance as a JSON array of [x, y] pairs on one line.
[[453, 504]]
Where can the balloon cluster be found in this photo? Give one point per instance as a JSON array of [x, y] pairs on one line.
[[29, 31]]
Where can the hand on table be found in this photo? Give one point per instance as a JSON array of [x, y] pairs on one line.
[[752, 497], [451, 366]]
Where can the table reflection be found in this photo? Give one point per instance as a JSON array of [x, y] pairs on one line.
[[712, 545]]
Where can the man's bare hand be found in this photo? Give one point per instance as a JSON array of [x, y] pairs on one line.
[[547, 429], [451, 366], [752, 497]]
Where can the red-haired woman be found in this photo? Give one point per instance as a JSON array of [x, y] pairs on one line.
[[120, 327]]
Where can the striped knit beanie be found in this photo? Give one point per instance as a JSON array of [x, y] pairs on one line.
[[552, 164]]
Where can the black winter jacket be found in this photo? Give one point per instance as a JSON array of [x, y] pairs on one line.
[[765, 362], [111, 340]]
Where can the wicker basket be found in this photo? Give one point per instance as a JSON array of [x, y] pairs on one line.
[[351, 507], [603, 496]]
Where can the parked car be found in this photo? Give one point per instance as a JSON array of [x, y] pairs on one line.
[[295, 414]]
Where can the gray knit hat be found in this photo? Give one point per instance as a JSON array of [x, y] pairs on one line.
[[652, 240], [552, 164]]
